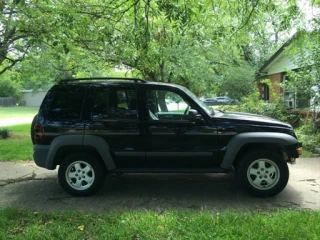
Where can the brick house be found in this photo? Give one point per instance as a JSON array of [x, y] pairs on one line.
[[275, 69]]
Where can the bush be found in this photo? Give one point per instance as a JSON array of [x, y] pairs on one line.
[[253, 104], [5, 133], [9, 88], [308, 136]]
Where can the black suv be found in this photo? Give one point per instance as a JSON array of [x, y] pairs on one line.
[[91, 127]]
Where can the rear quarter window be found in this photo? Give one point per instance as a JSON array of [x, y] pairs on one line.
[[63, 103]]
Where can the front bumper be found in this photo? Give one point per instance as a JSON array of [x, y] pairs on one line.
[[294, 150], [300, 148]]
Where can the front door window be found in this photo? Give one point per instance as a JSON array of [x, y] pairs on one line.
[[166, 105]]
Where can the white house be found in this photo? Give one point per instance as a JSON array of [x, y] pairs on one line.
[[275, 69], [32, 99]]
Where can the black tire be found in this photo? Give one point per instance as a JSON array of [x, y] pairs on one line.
[[32, 133], [81, 174], [263, 173]]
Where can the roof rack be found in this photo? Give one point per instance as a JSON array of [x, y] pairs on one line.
[[64, 81]]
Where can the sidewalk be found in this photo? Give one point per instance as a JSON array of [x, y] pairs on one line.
[[16, 172]]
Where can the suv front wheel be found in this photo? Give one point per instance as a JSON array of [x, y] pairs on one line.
[[263, 173], [81, 174]]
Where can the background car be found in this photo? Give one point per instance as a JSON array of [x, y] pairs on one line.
[[224, 100], [210, 101]]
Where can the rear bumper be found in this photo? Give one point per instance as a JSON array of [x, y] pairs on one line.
[[40, 154]]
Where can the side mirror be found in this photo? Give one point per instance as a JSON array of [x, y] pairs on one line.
[[194, 116]]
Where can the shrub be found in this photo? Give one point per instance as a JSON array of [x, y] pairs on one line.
[[253, 104], [308, 136], [9, 88], [5, 133]]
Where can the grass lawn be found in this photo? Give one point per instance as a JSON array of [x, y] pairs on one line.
[[287, 224], [18, 146], [16, 112]]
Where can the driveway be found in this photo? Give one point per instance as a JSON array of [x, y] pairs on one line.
[[25, 186]]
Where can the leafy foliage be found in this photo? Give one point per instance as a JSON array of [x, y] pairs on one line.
[[9, 88], [305, 52], [20, 29], [202, 45], [277, 109], [308, 136], [237, 82]]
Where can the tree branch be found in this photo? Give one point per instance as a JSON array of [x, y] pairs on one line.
[[249, 17]]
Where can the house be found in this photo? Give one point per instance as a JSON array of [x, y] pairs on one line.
[[32, 99], [275, 69]]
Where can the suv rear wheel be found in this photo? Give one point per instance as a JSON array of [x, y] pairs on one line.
[[81, 174], [263, 173]]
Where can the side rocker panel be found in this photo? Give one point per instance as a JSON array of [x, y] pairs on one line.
[[238, 141]]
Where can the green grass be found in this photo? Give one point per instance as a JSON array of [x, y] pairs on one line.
[[288, 224], [18, 111], [18, 146]]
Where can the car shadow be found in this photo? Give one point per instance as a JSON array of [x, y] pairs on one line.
[[156, 192]]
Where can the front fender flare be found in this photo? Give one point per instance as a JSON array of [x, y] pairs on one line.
[[238, 141]]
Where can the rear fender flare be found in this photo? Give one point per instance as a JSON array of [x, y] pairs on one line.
[[79, 140], [103, 149]]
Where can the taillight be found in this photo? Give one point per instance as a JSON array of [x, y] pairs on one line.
[[38, 133]]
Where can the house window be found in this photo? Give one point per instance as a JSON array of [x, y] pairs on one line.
[[289, 96], [265, 92], [292, 98]]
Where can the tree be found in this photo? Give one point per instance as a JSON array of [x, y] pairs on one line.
[[9, 87], [238, 82], [20, 28], [305, 52], [187, 42]]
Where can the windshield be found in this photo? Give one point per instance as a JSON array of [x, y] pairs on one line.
[[205, 107]]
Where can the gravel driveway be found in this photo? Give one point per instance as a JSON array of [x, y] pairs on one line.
[[23, 185]]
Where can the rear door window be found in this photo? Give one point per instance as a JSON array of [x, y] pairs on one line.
[[115, 104]]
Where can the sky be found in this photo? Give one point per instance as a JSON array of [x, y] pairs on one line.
[[311, 12]]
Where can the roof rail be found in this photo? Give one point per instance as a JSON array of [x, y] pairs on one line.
[[64, 81]]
